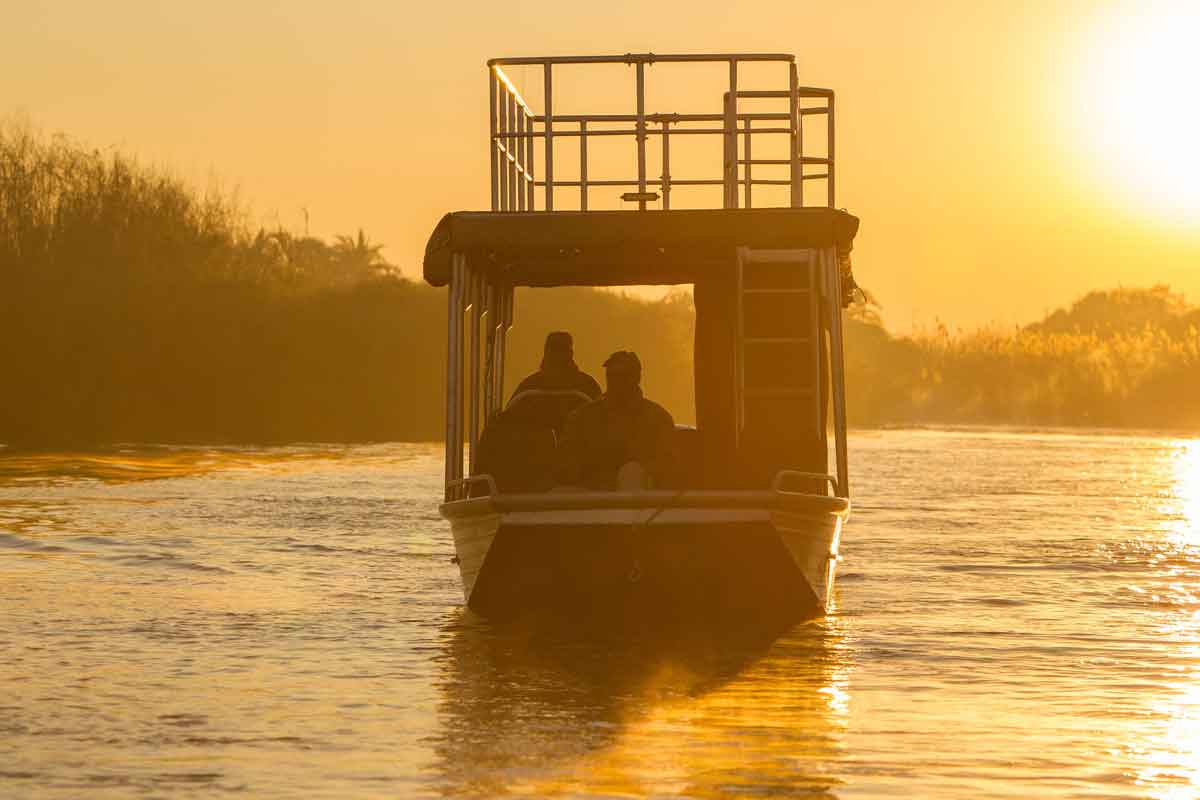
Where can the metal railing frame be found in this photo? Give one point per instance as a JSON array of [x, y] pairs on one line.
[[515, 127], [475, 372], [478, 306]]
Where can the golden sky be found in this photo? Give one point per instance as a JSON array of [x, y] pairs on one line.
[[1004, 156]]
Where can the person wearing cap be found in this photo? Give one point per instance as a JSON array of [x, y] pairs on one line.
[[621, 441], [559, 372]]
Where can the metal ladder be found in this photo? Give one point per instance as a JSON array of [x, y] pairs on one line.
[[778, 347]]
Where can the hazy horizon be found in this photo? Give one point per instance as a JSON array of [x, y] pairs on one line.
[[978, 144]]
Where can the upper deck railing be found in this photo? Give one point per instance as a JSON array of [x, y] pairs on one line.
[[524, 160]]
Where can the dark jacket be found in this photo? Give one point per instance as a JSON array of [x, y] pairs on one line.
[[605, 434], [560, 378]]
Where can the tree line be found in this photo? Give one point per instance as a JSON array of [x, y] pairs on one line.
[[134, 308]]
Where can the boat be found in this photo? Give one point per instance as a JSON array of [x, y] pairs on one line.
[[751, 530]]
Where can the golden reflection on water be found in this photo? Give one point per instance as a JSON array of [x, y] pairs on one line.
[[694, 720], [1172, 760], [774, 728], [1187, 491], [1169, 758], [121, 465]]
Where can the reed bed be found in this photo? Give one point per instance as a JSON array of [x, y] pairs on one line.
[[1123, 358], [134, 308]]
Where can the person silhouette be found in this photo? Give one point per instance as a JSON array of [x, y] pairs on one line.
[[620, 441], [558, 371]]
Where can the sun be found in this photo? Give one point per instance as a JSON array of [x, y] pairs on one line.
[[1138, 90]]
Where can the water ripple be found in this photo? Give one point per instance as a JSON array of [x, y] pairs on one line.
[[1018, 615]]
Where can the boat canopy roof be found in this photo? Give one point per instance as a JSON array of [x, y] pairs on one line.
[[623, 248]]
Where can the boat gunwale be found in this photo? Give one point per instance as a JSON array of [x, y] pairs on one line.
[[788, 502]]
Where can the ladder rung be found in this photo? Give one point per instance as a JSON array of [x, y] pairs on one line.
[[776, 291], [821, 177], [776, 340], [783, 391]]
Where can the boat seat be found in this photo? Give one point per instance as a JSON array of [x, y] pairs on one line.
[[545, 407], [688, 472], [517, 447], [518, 456]]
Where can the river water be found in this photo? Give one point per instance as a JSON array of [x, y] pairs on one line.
[[1018, 615]]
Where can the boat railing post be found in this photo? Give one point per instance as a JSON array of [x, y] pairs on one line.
[[641, 133], [452, 446], [496, 350], [746, 177], [837, 368], [506, 321], [548, 112], [519, 149], [474, 281], [797, 170], [493, 151], [818, 308], [501, 330], [666, 165], [460, 406], [450, 304], [583, 165], [731, 143], [513, 143], [529, 188], [829, 139], [799, 154], [739, 367], [454, 312], [489, 349], [502, 145]]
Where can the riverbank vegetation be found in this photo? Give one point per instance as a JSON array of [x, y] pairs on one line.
[[133, 308], [1119, 358]]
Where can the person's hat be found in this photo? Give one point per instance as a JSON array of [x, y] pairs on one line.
[[624, 360]]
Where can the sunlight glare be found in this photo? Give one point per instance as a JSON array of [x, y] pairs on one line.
[[1139, 116], [1187, 491], [1173, 756]]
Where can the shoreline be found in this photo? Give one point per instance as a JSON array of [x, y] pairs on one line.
[[1014, 429]]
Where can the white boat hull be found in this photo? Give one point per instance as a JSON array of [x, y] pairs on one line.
[[596, 555]]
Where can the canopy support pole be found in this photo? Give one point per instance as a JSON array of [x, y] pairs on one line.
[[475, 284], [837, 367], [454, 319]]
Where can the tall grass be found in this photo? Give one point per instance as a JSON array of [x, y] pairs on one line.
[[1123, 358], [133, 308]]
